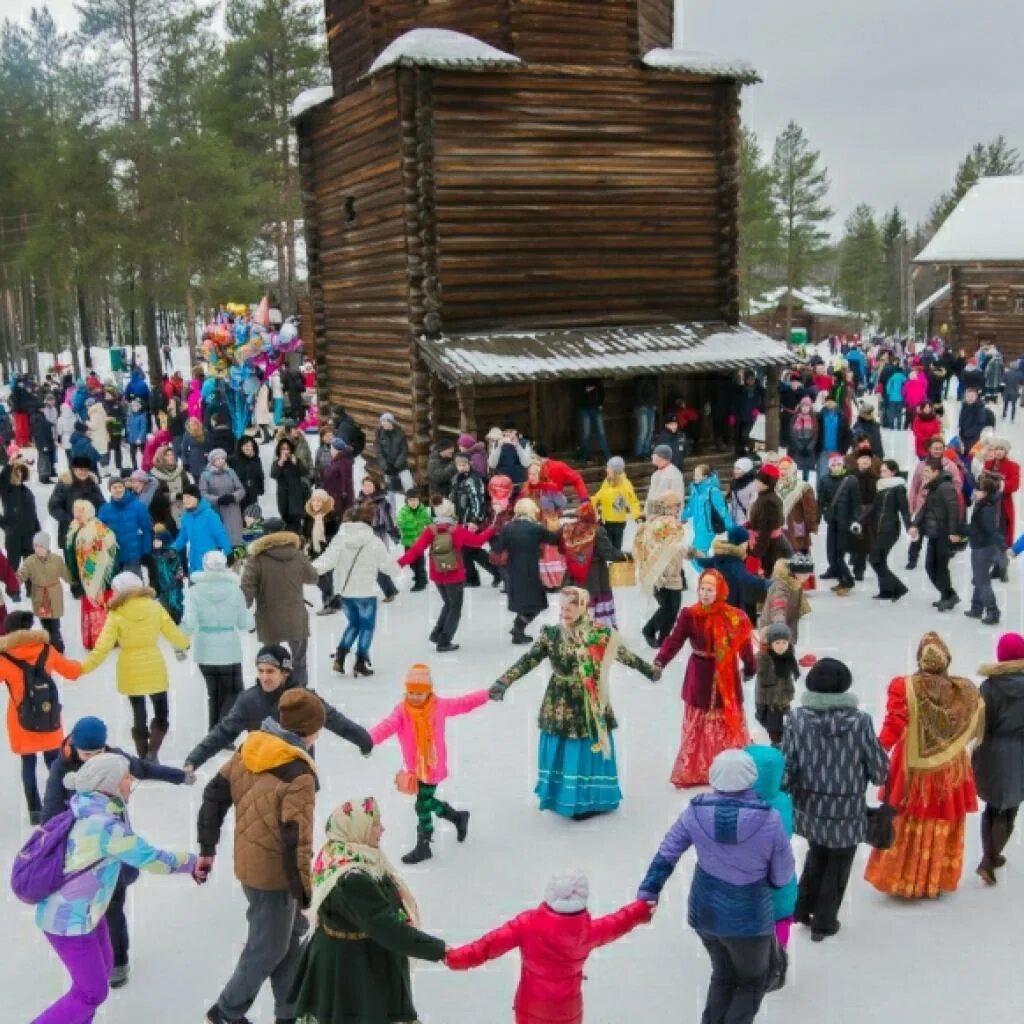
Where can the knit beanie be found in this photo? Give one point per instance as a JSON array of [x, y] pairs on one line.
[[339, 445], [418, 679], [42, 540], [568, 893], [769, 475], [617, 463], [216, 453], [126, 581], [276, 655], [733, 771], [663, 452], [100, 774], [191, 491], [829, 675], [744, 465], [387, 417], [777, 631], [214, 561], [81, 462], [1010, 647], [737, 535], [444, 509], [141, 475], [89, 733], [301, 712]]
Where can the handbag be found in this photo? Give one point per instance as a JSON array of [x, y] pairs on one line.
[[881, 831], [622, 574], [406, 782]]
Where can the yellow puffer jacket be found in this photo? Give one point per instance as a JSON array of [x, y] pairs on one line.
[[616, 501], [134, 623]]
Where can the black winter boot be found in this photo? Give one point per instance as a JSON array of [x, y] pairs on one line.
[[991, 617], [339, 660], [421, 852], [362, 667], [460, 819], [141, 738], [157, 732]]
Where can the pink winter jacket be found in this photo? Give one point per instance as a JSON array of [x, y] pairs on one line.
[[915, 390], [400, 722]]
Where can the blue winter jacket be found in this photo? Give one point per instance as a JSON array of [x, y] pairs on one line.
[[129, 519], [894, 386], [137, 387], [768, 787], [201, 531], [82, 447], [704, 496], [136, 427], [215, 612]]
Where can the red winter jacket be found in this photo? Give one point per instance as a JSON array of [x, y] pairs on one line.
[[554, 948], [563, 475], [461, 538], [1010, 471], [923, 431]]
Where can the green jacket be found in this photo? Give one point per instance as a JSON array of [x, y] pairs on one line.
[[412, 522]]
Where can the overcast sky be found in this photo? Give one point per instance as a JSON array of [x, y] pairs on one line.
[[893, 92]]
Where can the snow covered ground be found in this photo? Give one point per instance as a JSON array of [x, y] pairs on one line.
[[943, 961]]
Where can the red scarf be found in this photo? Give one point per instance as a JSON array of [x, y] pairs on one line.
[[578, 540]]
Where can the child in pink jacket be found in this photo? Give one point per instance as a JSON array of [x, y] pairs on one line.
[[419, 721], [554, 941]]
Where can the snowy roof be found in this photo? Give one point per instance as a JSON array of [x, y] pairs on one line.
[[694, 63], [935, 297], [441, 48], [310, 98], [598, 351], [987, 226], [808, 299]]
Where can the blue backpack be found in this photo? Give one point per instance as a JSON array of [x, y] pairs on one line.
[[38, 869]]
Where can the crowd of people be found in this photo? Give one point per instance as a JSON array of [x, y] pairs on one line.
[[162, 534]]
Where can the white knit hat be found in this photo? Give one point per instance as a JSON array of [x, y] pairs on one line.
[[126, 581], [744, 465], [444, 509], [100, 774], [733, 771], [214, 561], [568, 893]]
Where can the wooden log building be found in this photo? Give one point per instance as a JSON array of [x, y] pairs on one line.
[[819, 318], [982, 244], [504, 196]]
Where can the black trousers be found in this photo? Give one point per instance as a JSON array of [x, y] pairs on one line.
[[419, 571], [889, 584], [823, 884], [836, 547], [522, 621], [117, 922], [914, 552], [325, 583], [739, 973], [223, 685], [660, 624], [615, 532], [451, 612], [473, 557], [28, 778], [386, 584], [160, 710], [936, 564], [52, 626]]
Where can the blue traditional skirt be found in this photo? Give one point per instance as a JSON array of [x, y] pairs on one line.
[[572, 779]]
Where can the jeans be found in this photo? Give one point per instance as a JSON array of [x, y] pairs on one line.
[[1010, 405], [451, 612], [889, 584], [893, 416], [272, 950], [591, 421], [88, 959], [739, 972], [615, 531], [936, 565], [28, 778], [223, 685], [644, 429], [823, 884], [300, 672], [361, 613], [983, 561]]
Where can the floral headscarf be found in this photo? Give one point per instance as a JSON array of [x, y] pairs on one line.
[[348, 849], [578, 539], [727, 630]]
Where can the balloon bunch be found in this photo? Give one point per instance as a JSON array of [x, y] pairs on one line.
[[241, 338]]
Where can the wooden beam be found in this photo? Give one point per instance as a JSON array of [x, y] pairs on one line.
[[772, 424]]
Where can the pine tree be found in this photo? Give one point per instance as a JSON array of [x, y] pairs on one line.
[[760, 229], [861, 271], [994, 159], [800, 186], [896, 250]]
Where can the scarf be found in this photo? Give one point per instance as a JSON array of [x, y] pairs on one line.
[[790, 490], [946, 712], [318, 535], [94, 548], [423, 730], [595, 648], [727, 630], [578, 539], [348, 849], [654, 547]]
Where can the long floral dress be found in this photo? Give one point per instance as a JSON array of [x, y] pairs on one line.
[[577, 772], [91, 554]]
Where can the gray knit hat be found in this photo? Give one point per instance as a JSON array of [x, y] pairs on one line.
[[100, 774], [777, 631], [663, 452]]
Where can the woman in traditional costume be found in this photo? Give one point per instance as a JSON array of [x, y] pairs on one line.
[[658, 550], [588, 550], [930, 720], [720, 637], [799, 509], [578, 776], [356, 965], [90, 553]]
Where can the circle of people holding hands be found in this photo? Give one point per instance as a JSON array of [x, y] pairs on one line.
[[500, 507]]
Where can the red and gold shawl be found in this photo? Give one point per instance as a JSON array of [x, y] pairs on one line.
[[727, 630], [578, 540]]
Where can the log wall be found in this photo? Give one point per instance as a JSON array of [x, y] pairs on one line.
[[1000, 291], [576, 196]]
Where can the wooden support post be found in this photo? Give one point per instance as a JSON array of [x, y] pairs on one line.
[[467, 408], [534, 411], [772, 425]]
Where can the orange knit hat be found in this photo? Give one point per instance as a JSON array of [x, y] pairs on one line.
[[417, 679]]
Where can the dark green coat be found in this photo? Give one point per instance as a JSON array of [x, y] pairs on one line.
[[361, 981]]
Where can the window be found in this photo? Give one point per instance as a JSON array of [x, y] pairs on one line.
[[350, 210], [978, 302], [1018, 304]]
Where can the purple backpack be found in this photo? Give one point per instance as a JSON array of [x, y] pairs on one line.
[[38, 870]]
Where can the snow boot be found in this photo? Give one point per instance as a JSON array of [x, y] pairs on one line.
[[974, 612], [947, 604], [119, 976], [460, 819], [991, 617], [421, 851], [339, 660], [362, 667], [214, 1016], [157, 732], [141, 738]]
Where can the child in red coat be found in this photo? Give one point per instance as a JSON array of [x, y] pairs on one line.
[[554, 941]]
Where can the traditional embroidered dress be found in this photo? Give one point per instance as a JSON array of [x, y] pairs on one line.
[[577, 771], [91, 553], [719, 636], [930, 720]]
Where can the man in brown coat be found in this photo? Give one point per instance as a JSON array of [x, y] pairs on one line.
[[271, 782], [275, 572]]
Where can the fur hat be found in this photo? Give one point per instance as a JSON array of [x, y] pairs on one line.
[[301, 712], [100, 774], [568, 893], [733, 771], [829, 675]]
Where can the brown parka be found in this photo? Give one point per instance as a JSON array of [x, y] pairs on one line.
[[275, 572]]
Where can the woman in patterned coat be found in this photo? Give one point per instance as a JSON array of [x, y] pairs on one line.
[[577, 776]]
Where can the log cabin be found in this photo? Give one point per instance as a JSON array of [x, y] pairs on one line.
[[982, 244], [504, 197], [819, 317]]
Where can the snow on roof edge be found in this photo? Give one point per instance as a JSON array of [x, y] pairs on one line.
[[986, 226], [310, 98], [692, 62], [440, 48], [937, 296]]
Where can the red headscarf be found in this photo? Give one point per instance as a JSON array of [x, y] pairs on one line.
[[578, 540], [727, 630]]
